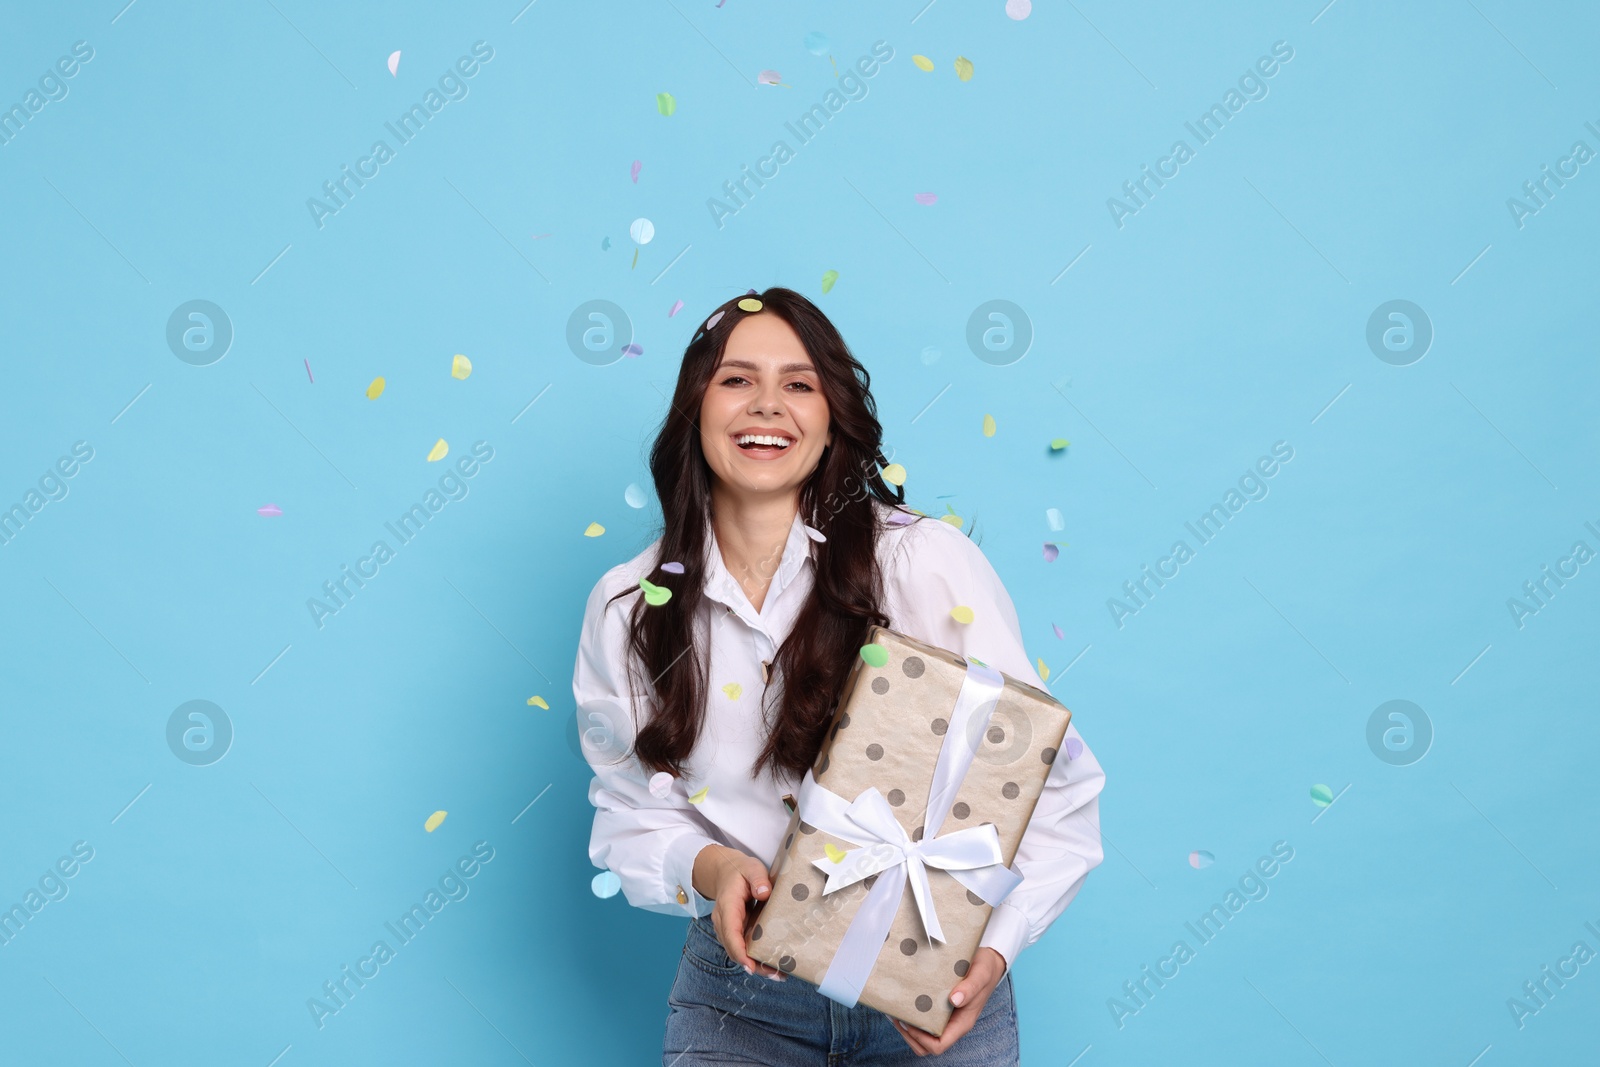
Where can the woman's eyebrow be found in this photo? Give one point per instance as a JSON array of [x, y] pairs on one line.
[[787, 368]]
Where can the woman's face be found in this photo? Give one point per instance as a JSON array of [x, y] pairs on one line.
[[766, 384]]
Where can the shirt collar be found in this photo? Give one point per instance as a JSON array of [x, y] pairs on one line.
[[721, 584]]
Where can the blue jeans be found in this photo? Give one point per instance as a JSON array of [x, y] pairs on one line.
[[721, 1015]]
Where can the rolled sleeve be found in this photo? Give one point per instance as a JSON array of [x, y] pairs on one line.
[[648, 842], [1061, 843]]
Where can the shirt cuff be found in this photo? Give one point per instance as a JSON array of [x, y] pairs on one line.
[[678, 871], [1007, 932]]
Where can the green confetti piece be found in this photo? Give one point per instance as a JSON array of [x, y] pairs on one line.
[[654, 595], [665, 103], [1321, 796], [828, 278], [875, 655], [1059, 443]]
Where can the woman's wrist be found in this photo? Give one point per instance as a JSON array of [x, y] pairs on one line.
[[707, 867]]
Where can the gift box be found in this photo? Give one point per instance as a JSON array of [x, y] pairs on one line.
[[904, 830]]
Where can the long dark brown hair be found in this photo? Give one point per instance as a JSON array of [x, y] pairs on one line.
[[837, 500]]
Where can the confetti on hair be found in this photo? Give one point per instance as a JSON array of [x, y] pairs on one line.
[[633, 171], [460, 367], [925, 198], [828, 278], [1321, 796], [673, 567], [964, 68], [665, 103], [1200, 859], [814, 534], [394, 64], [749, 303], [271, 511], [434, 821], [375, 390], [713, 320], [922, 62], [661, 785], [537, 701], [988, 426], [438, 451], [654, 595], [594, 530], [676, 307], [962, 614], [901, 518], [894, 474]]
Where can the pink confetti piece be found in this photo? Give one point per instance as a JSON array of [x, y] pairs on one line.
[[815, 535], [1051, 552], [394, 64], [269, 510], [676, 307], [1059, 635], [308, 372], [1074, 748], [926, 198], [635, 171], [672, 568], [769, 77], [713, 320]]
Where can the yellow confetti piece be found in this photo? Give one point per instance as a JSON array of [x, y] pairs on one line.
[[894, 474], [988, 426], [734, 690], [375, 390], [460, 367], [594, 530], [922, 62], [434, 821], [538, 702], [1044, 671], [665, 103], [1057, 444], [438, 451], [699, 795], [964, 68], [961, 614], [749, 303], [835, 853], [953, 519], [828, 278]]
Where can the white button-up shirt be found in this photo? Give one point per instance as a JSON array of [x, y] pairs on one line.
[[650, 843]]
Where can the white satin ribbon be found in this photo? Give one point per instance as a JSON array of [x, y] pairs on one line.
[[970, 855]]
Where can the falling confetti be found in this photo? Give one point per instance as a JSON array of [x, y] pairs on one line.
[[894, 474], [1019, 9], [1051, 551], [874, 655], [769, 77], [676, 307], [594, 530], [1058, 444], [632, 351], [817, 43], [988, 426], [665, 103], [1321, 796], [269, 510], [828, 278], [605, 244], [672, 568], [815, 534], [1060, 636], [713, 320], [749, 303], [605, 885], [964, 68], [434, 821], [438, 451], [633, 171], [460, 367], [661, 785], [835, 853], [961, 614], [1200, 859], [635, 496], [375, 390], [699, 795], [1044, 670], [1053, 517], [654, 595], [922, 62], [925, 198], [1074, 748], [308, 372], [394, 64]]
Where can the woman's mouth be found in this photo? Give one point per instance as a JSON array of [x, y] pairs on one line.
[[763, 445]]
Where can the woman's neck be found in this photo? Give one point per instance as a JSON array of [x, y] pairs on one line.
[[751, 534]]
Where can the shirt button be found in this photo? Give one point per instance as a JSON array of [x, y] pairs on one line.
[[683, 898]]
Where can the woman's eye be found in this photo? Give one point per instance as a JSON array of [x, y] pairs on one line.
[[802, 385]]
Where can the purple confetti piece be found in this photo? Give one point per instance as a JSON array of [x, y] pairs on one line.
[[672, 568], [308, 372], [1059, 635], [677, 307], [635, 171], [269, 510], [713, 320], [925, 198], [1051, 551], [902, 518], [1074, 748], [768, 77], [632, 351]]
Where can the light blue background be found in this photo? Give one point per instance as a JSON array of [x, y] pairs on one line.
[[1228, 314]]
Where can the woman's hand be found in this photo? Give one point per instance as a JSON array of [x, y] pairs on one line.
[[730, 877], [969, 996]]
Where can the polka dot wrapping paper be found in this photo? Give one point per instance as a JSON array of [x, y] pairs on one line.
[[887, 732]]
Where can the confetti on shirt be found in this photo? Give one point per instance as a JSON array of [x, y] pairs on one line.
[[661, 785], [1074, 748], [734, 690], [815, 534], [699, 795], [961, 614], [654, 595]]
